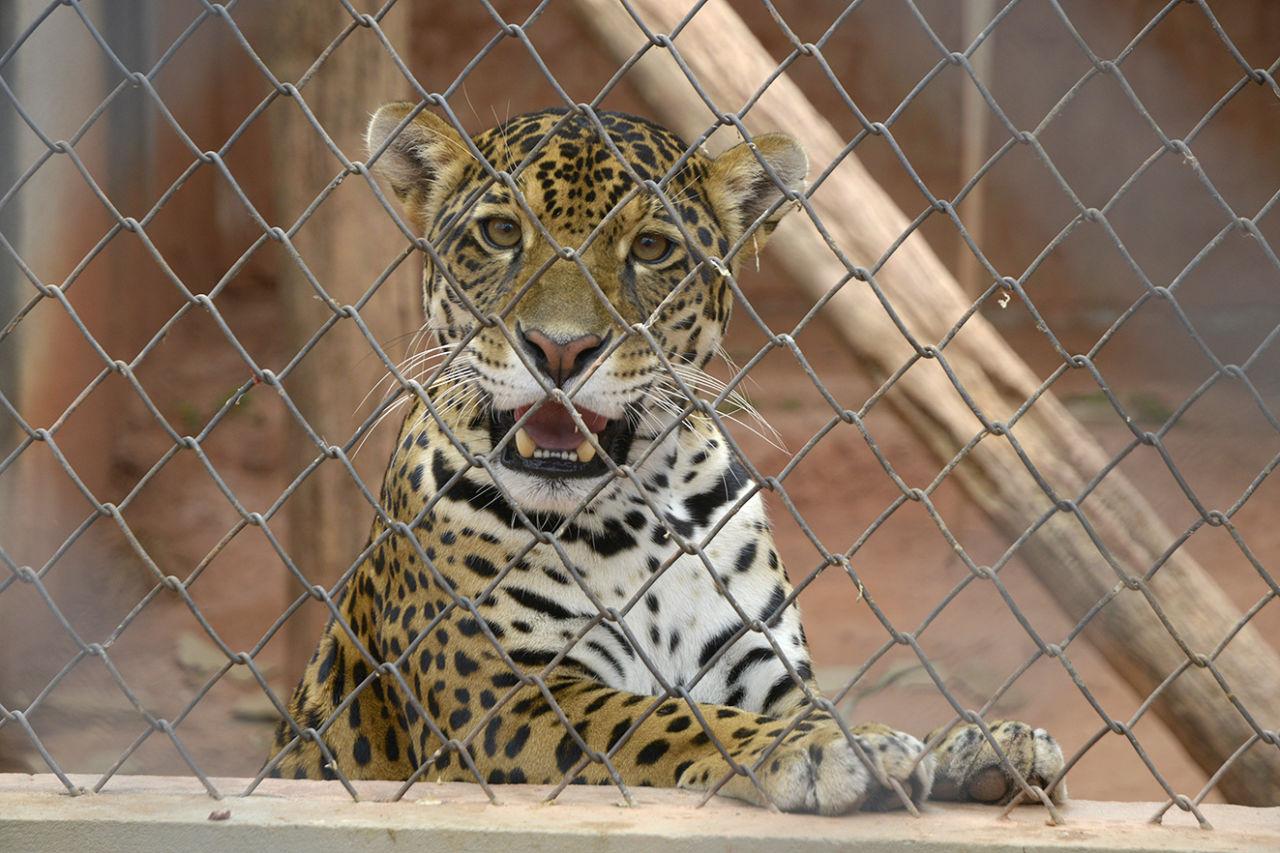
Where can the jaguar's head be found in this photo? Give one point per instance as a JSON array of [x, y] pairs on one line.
[[553, 268]]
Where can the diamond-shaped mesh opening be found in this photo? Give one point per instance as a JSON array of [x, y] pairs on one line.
[[992, 501]]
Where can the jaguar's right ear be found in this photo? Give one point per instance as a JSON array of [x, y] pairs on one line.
[[423, 159]]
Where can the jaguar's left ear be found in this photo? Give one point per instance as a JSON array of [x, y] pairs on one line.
[[423, 159], [741, 190]]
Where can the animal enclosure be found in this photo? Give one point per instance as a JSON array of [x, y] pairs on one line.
[[1007, 377]]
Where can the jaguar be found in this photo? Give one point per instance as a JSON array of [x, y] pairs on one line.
[[573, 577]]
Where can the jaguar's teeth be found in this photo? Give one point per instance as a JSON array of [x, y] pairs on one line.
[[586, 452], [567, 455], [525, 445]]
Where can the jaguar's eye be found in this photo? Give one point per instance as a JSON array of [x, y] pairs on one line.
[[651, 248], [501, 232]]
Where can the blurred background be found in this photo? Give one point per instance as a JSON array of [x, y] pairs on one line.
[[204, 231]]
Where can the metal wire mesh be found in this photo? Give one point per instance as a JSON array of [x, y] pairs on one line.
[[339, 455]]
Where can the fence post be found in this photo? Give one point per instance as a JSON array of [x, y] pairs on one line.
[[348, 242], [11, 284]]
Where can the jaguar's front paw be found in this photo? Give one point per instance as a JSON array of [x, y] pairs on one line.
[[970, 770], [821, 773]]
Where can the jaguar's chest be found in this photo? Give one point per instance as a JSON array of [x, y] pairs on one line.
[[646, 617]]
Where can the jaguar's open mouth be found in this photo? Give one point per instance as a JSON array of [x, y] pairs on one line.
[[550, 444]]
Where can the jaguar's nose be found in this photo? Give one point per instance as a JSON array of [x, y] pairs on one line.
[[560, 358]]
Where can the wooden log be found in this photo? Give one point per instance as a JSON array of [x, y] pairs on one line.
[[729, 64]]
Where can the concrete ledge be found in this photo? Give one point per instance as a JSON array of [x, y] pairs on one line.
[[146, 813]]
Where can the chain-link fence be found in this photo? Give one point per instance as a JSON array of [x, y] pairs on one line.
[[63, 577]]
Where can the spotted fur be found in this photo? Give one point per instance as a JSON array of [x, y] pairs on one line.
[[463, 622]]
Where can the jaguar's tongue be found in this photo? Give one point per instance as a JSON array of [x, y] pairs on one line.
[[552, 428]]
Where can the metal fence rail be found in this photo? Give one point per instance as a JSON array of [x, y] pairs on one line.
[[338, 455]]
